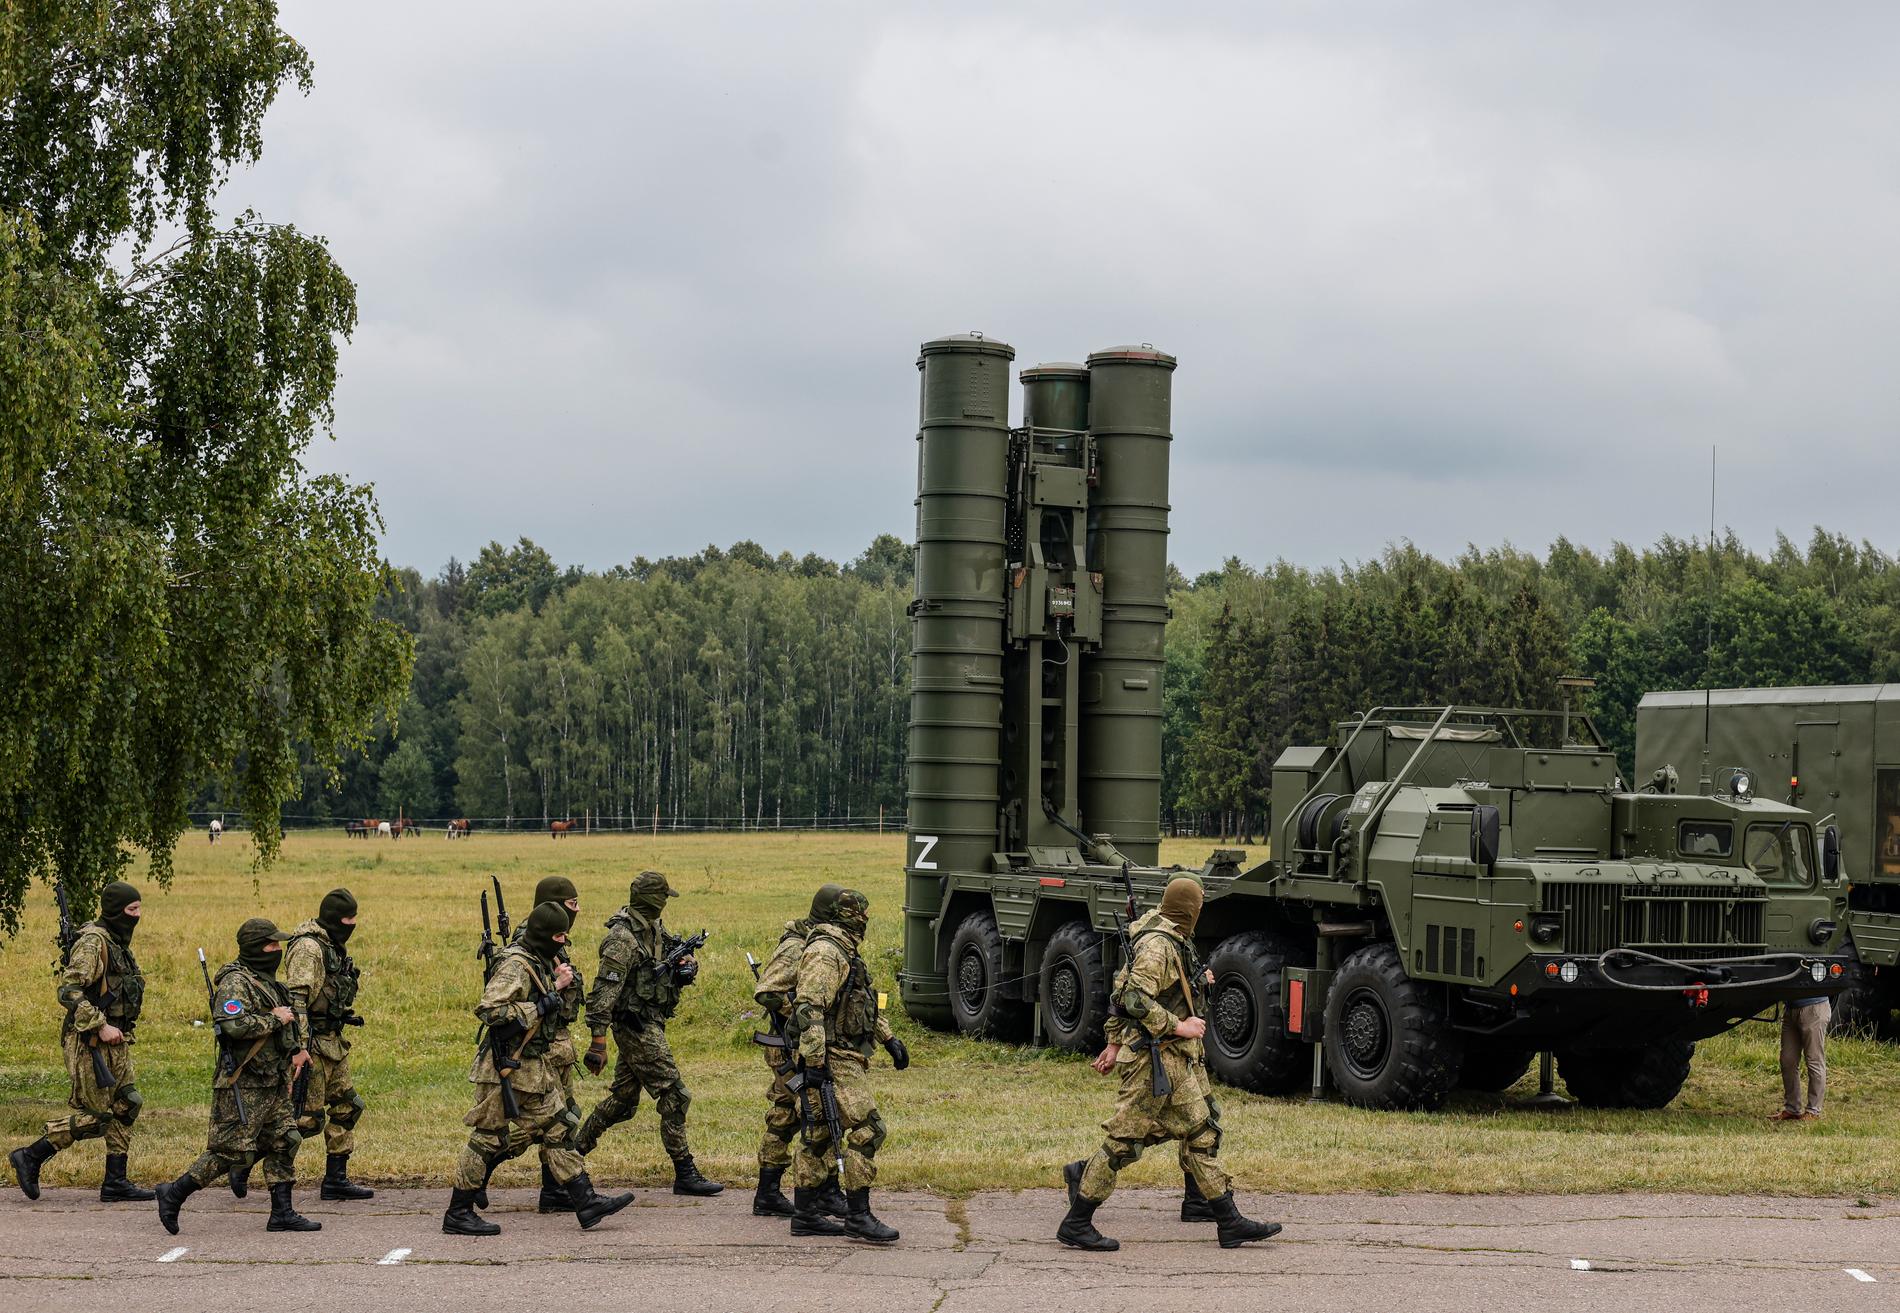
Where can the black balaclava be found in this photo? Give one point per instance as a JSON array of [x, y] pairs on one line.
[[544, 922], [648, 894], [113, 900], [556, 889], [821, 902], [251, 938], [850, 911], [337, 904]]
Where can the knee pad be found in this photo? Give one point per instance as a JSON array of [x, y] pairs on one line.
[[292, 1138], [869, 1137], [345, 1116], [570, 1118], [673, 1099], [1121, 1155], [129, 1104], [1204, 1138], [310, 1121]]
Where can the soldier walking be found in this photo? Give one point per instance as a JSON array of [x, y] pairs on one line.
[[634, 997], [776, 983], [322, 981], [1156, 1008], [562, 1057], [101, 991], [519, 1099], [837, 1022], [261, 1050]]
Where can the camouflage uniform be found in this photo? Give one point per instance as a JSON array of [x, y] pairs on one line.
[[558, 1030], [837, 1022], [256, 1049], [322, 981], [634, 998], [774, 993], [1154, 997], [99, 984]]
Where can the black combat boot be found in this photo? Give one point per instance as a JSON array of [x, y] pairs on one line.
[[687, 1180], [831, 1199], [1078, 1227], [26, 1165], [239, 1178], [553, 1195], [589, 1207], [172, 1197], [861, 1223], [282, 1216], [1236, 1230], [462, 1219], [1193, 1203], [808, 1214], [769, 1200], [116, 1189], [337, 1183]]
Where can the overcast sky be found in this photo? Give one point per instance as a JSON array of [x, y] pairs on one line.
[[635, 278]]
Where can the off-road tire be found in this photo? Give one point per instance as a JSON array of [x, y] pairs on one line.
[[1647, 1077], [1247, 1044], [1494, 1070], [1074, 988], [1388, 1041], [1865, 1008], [976, 965]]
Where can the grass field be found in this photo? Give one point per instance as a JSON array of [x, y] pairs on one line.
[[966, 1116]]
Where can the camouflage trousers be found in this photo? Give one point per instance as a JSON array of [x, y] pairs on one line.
[[645, 1062], [332, 1104], [781, 1114], [863, 1129], [545, 1120], [1189, 1117], [269, 1132], [96, 1112]]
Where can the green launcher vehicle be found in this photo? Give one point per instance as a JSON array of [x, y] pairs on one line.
[[1453, 889]]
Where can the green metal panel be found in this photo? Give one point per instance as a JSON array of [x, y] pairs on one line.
[[956, 637], [1130, 404], [1876, 937]]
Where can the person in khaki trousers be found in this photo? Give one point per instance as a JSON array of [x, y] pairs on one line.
[[1803, 1038]]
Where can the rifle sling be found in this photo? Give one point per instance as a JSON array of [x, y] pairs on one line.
[[514, 1061]]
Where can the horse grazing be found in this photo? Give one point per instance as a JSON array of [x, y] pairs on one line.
[[216, 828], [407, 825], [458, 829], [355, 830], [558, 828], [383, 831]]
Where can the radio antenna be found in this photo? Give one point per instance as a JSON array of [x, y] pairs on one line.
[[1707, 783]]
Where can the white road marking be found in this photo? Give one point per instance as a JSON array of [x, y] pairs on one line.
[[392, 1258], [1857, 1274], [1580, 1265], [173, 1255]]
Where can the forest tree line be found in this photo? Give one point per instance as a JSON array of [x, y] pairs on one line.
[[736, 688]]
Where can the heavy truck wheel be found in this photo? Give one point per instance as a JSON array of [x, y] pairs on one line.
[[1074, 988], [1647, 1077], [976, 966], [1865, 1008], [1247, 1042], [1388, 1041], [1494, 1070]]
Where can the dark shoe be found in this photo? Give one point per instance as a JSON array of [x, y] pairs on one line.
[[462, 1219], [808, 1214], [553, 1195], [239, 1179], [831, 1200], [769, 1200], [1193, 1203], [481, 1194], [1078, 1227], [862, 1224], [687, 1180], [26, 1165], [171, 1198], [282, 1216], [1236, 1230], [116, 1189], [337, 1183], [589, 1207]]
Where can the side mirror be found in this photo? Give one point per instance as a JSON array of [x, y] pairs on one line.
[[1484, 835], [1831, 854]]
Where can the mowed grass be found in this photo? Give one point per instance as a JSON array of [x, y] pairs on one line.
[[967, 1116]]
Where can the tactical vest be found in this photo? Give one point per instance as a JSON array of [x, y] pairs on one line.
[[272, 1058], [332, 1003], [1190, 966], [648, 993], [120, 992], [544, 1035], [851, 1021]]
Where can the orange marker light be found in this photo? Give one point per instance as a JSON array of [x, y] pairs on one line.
[[1794, 781], [1550, 969], [1513, 991], [1518, 926], [1834, 969]]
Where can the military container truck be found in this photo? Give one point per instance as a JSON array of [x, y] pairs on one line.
[[1834, 750], [1451, 889]]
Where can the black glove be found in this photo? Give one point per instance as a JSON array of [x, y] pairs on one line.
[[548, 1004], [685, 972], [900, 1056]]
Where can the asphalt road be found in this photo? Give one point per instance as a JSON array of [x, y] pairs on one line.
[[1347, 1253]]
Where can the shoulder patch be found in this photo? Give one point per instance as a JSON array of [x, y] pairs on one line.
[[233, 1006]]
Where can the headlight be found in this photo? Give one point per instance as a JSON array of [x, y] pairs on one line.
[[1819, 972], [1568, 973]]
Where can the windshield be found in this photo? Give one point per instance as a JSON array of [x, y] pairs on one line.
[[1704, 838], [1779, 853]]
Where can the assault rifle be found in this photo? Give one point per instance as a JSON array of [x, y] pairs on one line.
[[488, 951], [802, 1085], [680, 951], [68, 936], [226, 1064], [1158, 1083]]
